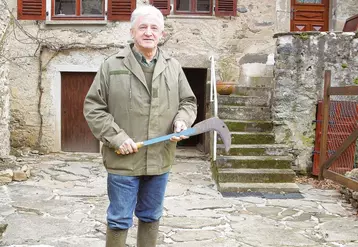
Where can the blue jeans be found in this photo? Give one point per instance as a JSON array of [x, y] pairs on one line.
[[144, 194]]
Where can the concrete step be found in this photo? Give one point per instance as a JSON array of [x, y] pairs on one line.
[[277, 188], [229, 175], [256, 81], [253, 162], [244, 112], [254, 150], [249, 126], [237, 100], [253, 91], [250, 138]]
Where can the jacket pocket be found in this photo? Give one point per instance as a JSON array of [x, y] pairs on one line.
[[120, 89]]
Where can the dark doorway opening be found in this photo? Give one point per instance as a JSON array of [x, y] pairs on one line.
[[197, 79]]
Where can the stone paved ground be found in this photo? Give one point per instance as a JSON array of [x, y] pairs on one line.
[[64, 204]]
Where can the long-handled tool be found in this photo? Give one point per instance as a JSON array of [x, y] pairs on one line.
[[213, 123]]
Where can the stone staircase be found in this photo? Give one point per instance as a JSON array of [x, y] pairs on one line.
[[255, 162]]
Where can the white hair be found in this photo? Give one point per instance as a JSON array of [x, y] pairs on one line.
[[147, 10]]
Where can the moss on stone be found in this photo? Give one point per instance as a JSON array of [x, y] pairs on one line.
[[257, 164], [240, 93], [303, 36], [344, 65], [252, 139], [247, 126], [287, 137], [307, 141], [214, 171], [247, 151], [355, 81], [256, 178]]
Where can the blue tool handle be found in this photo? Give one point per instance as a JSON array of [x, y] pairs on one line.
[[187, 132]]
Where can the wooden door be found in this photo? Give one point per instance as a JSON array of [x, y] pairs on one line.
[[75, 133], [309, 15]]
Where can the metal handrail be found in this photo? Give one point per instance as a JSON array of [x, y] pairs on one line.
[[214, 100]]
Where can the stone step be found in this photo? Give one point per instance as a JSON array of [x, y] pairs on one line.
[[253, 91], [227, 175], [253, 162], [256, 81], [250, 138], [254, 150], [259, 187], [249, 126], [244, 112], [237, 100]]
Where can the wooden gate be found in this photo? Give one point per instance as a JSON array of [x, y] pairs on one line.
[[309, 15], [343, 117], [326, 161], [75, 133]]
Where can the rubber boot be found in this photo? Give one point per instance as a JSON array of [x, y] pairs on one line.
[[147, 234], [116, 237]]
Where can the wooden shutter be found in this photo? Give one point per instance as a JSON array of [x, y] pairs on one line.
[[225, 7], [31, 9], [162, 5], [120, 10]]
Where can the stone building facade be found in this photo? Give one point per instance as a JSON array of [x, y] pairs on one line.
[[4, 83], [43, 51]]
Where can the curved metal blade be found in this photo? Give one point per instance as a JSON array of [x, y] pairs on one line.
[[219, 126]]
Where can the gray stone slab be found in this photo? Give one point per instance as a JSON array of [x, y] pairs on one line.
[[307, 206], [44, 211], [191, 222], [335, 208], [265, 211], [36, 229], [206, 191], [267, 232], [176, 189], [195, 235], [340, 230], [219, 242]]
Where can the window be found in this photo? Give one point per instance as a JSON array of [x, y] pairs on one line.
[[75, 9], [310, 1], [92, 9], [117, 9], [197, 7], [200, 7]]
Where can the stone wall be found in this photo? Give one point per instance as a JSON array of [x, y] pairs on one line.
[[301, 60], [244, 39], [341, 10], [42, 50], [4, 83]]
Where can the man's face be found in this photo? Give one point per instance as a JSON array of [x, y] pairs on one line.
[[146, 32]]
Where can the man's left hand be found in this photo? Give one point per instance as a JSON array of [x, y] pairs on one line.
[[179, 126]]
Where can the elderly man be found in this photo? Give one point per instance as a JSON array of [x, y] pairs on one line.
[[138, 94]]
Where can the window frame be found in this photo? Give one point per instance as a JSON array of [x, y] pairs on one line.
[[78, 12], [193, 6]]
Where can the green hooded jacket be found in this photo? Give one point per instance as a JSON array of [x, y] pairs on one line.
[[119, 106]]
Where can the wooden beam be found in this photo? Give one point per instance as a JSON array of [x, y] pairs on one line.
[[347, 182], [348, 90], [324, 131]]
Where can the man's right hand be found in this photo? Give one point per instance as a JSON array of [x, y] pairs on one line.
[[128, 147]]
